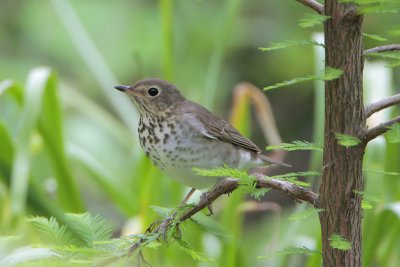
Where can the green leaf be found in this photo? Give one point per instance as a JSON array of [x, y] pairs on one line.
[[163, 211], [210, 225], [375, 6], [295, 174], [375, 37], [34, 90], [197, 256], [347, 140], [385, 55], [258, 193], [222, 172], [338, 242], [51, 128], [310, 20], [291, 251], [51, 233], [287, 44], [382, 172], [393, 135], [305, 214], [328, 75], [89, 228], [296, 145]]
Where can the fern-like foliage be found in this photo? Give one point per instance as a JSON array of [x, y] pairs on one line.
[[310, 212], [367, 199], [347, 140], [51, 232], [290, 43], [291, 251], [375, 37], [328, 75], [246, 180], [310, 20], [75, 242], [197, 256], [89, 228], [382, 172], [375, 6], [296, 145], [339, 242]]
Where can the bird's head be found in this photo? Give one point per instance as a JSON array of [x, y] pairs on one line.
[[152, 95]]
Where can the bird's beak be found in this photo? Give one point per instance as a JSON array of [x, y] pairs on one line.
[[128, 89]]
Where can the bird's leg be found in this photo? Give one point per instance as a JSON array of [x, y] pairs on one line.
[[161, 226], [204, 197], [187, 197]]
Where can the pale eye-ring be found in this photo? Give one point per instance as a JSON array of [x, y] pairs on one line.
[[153, 91]]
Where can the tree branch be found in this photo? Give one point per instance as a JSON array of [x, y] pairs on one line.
[[383, 48], [380, 129], [296, 192], [313, 4], [228, 185], [384, 103]]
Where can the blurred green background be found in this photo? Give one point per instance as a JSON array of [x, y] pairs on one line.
[[68, 140]]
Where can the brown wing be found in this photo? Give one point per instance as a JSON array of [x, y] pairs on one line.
[[218, 128]]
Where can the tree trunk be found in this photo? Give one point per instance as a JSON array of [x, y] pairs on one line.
[[344, 113]]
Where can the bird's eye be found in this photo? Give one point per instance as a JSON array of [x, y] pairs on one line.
[[152, 91]]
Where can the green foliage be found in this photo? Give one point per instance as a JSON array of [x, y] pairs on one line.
[[392, 57], [296, 145], [375, 37], [310, 212], [197, 256], [222, 172], [89, 228], [311, 19], [375, 6], [338, 242], [328, 75], [382, 172], [290, 43], [393, 135], [291, 251], [347, 140], [51, 233]]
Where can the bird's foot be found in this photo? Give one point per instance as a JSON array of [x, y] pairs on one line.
[[165, 227], [204, 199]]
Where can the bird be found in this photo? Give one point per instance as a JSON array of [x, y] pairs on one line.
[[178, 135]]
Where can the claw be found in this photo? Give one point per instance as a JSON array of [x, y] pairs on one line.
[[204, 198]]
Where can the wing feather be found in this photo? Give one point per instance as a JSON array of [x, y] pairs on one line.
[[217, 128]]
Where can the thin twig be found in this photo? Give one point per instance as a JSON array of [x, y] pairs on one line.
[[380, 129], [296, 192], [384, 103], [383, 48], [313, 4]]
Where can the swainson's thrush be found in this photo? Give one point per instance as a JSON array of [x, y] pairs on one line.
[[178, 135]]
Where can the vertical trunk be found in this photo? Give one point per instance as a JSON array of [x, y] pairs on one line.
[[344, 113]]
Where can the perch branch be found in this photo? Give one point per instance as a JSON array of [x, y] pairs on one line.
[[313, 4], [380, 129], [384, 103], [296, 192], [383, 48]]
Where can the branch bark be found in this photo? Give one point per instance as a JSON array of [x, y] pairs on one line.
[[296, 192], [384, 103], [380, 129], [313, 4], [383, 48]]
